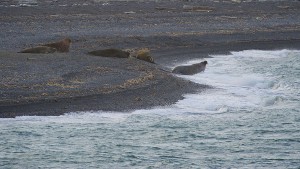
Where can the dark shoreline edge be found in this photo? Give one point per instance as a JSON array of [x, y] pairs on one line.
[[125, 101]]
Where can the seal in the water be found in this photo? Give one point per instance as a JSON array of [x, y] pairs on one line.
[[110, 53], [61, 46], [191, 69], [39, 49]]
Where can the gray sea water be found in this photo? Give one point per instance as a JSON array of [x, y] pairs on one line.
[[33, 3], [250, 120]]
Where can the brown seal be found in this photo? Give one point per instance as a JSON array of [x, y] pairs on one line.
[[141, 54], [39, 49], [110, 53], [144, 54], [191, 69], [61, 46], [146, 58]]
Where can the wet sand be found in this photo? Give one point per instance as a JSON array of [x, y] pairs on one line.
[[53, 84]]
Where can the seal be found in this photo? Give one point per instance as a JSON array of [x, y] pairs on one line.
[[146, 58], [61, 46], [144, 54], [39, 49], [141, 54], [110, 53], [191, 69]]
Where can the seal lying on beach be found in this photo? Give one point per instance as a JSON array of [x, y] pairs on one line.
[[146, 58], [110, 53], [61, 46], [141, 54], [39, 49], [144, 54], [191, 69]]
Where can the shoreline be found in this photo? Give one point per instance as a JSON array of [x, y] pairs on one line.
[[54, 84], [165, 90]]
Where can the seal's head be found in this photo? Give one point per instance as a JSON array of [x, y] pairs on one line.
[[64, 45], [205, 62], [61, 46], [67, 41], [146, 58]]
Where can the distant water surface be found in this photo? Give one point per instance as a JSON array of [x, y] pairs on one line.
[[250, 120], [30, 3]]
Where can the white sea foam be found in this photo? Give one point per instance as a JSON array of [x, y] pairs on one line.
[[242, 81], [73, 117], [27, 3], [264, 54]]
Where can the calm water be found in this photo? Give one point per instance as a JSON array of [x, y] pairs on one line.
[[250, 120]]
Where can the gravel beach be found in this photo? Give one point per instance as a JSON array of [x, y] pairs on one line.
[[174, 31]]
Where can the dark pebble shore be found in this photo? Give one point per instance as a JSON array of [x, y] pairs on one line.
[[175, 32]]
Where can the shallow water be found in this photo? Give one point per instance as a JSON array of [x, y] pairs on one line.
[[249, 120]]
